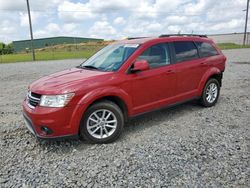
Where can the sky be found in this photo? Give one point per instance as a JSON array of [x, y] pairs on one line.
[[117, 19]]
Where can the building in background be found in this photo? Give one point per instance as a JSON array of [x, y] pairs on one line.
[[23, 45], [236, 38]]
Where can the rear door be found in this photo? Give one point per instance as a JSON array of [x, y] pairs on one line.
[[208, 55], [189, 69]]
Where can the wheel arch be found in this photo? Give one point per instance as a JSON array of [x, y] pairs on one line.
[[115, 99], [116, 95], [211, 73], [217, 76]]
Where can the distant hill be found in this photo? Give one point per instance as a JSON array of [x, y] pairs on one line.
[[89, 46]]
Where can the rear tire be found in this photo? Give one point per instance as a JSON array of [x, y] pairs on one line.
[[210, 93], [102, 122]]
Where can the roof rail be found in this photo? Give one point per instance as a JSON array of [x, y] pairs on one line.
[[184, 35], [132, 38]]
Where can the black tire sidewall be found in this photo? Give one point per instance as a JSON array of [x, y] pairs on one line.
[[203, 99], [102, 105]]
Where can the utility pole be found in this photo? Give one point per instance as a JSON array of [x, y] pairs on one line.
[[245, 33], [31, 32]]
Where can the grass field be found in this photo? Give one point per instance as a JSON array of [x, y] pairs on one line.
[[45, 56], [70, 51], [226, 46]]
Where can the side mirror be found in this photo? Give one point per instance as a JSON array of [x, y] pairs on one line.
[[140, 65]]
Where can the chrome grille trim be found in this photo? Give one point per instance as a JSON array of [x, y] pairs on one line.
[[33, 101], [34, 98], [30, 105]]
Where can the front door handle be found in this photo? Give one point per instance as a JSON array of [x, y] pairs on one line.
[[170, 71], [203, 64]]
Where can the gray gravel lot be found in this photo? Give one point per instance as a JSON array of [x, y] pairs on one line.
[[187, 145]]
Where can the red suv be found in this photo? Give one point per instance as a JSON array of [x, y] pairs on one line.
[[124, 79]]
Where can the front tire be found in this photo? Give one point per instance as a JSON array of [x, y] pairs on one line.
[[102, 123], [210, 93]]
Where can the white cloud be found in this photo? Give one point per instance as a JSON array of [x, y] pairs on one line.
[[43, 5], [8, 31], [77, 12], [21, 5], [52, 29], [198, 7], [9, 5], [68, 28], [157, 9], [155, 27], [120, 21], [176, 19], [232, 24], [145, 11], [24, 20], [101, 6], [174, 29], [165, 6], [14, 15], [74, 12], [6, 27], [115, 18], [102, 29]]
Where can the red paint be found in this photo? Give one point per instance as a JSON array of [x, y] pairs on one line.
[[140, 65], [141, 91]]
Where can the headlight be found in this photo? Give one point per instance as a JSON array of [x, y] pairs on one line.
[[56, 100]]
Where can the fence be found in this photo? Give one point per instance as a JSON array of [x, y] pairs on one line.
[[55, 52], [236, 38]]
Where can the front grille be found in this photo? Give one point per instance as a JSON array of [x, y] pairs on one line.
[[33, 99]]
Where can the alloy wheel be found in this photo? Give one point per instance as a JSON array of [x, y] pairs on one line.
[[101, 123], [211, 92]]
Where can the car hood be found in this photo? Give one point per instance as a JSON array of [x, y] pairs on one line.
[[66, 81]]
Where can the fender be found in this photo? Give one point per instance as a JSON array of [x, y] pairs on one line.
[[94, 95], [206, 76]]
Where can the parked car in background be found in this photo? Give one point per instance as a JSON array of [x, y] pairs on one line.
[[123, 80]]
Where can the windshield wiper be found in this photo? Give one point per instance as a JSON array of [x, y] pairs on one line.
[[89, 67]]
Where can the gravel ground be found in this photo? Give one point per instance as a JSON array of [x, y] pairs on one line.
[[187, 145]]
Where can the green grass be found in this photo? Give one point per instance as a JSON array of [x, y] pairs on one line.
[[226, 46], [55, 53], [45, 56]]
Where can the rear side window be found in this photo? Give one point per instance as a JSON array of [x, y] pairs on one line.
[[185, 51], [206, 49]]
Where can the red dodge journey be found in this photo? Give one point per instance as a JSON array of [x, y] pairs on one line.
[[123, 80]]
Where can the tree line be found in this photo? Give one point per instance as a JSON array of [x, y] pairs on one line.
[[6, 48]]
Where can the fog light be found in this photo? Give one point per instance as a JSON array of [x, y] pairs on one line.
[[46, 130]]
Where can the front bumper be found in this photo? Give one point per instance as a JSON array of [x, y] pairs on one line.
[[50, 123], [29, 125]]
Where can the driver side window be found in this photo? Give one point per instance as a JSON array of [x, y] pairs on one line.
[[156, 55]]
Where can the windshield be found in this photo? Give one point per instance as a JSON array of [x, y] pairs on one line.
[[111, 57]]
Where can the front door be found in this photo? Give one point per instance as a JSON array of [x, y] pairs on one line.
[[152, 88]]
